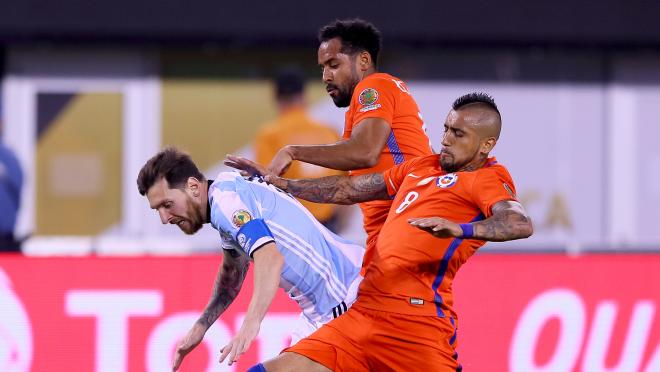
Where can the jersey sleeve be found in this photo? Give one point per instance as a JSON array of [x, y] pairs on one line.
[[375, 98], [394, 176], [493, 186], [236, 213]]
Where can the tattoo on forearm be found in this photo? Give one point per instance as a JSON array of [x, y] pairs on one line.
[[340, 189], [502, 226], [226, 287]]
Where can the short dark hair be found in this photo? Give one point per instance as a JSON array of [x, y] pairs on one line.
[[289, 82], [356, 35], [476, 97], [174, 165]]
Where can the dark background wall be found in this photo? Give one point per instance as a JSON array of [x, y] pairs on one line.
[[514, 22]]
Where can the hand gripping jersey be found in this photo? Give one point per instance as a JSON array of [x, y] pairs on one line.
[[383, 96], [412, 271], [321, 269]]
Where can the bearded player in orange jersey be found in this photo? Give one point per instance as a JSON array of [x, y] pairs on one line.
[[445, 207], [383, 125]]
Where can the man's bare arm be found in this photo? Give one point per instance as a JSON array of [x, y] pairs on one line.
[[332, 189], [336, 189], [226, 287], [361, 150], [508, 222], [228, 283], [268, 263]]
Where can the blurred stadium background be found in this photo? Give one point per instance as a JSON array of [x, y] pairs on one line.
[[92, 90]]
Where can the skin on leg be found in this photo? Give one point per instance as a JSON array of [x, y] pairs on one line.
[[291, 362]]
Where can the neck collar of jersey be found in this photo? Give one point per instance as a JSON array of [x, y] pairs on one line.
[[208, 203]]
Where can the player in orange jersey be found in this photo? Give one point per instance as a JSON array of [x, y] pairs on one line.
[[445, 207], [383, 124]]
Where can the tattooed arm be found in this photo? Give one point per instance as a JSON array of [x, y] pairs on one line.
[[333, 189], [227, 284], [336, 189], [508, 222]]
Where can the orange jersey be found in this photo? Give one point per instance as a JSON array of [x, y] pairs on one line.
[[296, 126], [411, 271], [383, 96]]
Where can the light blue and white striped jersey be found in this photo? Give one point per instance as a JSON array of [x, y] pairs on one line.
[[319, 266]]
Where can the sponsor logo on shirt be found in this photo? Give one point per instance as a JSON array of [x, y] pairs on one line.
[[416, 301], [448, 180], [425, 181], [240, 218], [368, 97]]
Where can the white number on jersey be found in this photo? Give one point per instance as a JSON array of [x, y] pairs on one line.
[[409, 199]]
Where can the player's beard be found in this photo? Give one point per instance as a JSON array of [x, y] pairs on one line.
[[194, 222], [345, 93], [450, 164], [447, 163]]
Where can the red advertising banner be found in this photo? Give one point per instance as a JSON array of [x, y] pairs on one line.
[[525, 313], [516, 313], [122, 314]]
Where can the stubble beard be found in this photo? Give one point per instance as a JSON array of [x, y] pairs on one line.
[[344, 97], [448, 166], [195, 220]]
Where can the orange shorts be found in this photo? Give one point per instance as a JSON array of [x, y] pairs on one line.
[[369, 340]]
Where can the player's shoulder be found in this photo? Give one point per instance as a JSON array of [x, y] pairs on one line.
[[225, 181], [315, 125], [378, 79], [267, 130], [426, 161], [419, 165], [494, 168], [378, 83]]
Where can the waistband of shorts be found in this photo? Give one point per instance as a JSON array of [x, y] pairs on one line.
[[402, 305]]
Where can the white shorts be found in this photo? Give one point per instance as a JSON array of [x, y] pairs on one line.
[[306, 326]]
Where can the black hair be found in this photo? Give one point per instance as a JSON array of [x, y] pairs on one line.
[[476, 97], [356, 35], [289, 82], [174, 165]]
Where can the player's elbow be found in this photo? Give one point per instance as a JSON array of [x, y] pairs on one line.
[[526, 229], [368, 159], [278, 261]]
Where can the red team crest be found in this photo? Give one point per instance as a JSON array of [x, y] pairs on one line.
[[448, 180]]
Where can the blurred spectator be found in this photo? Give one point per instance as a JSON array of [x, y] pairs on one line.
[[293, 125], [11, 182]]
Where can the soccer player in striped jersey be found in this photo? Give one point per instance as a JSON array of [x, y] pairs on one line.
[[257, 222]]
